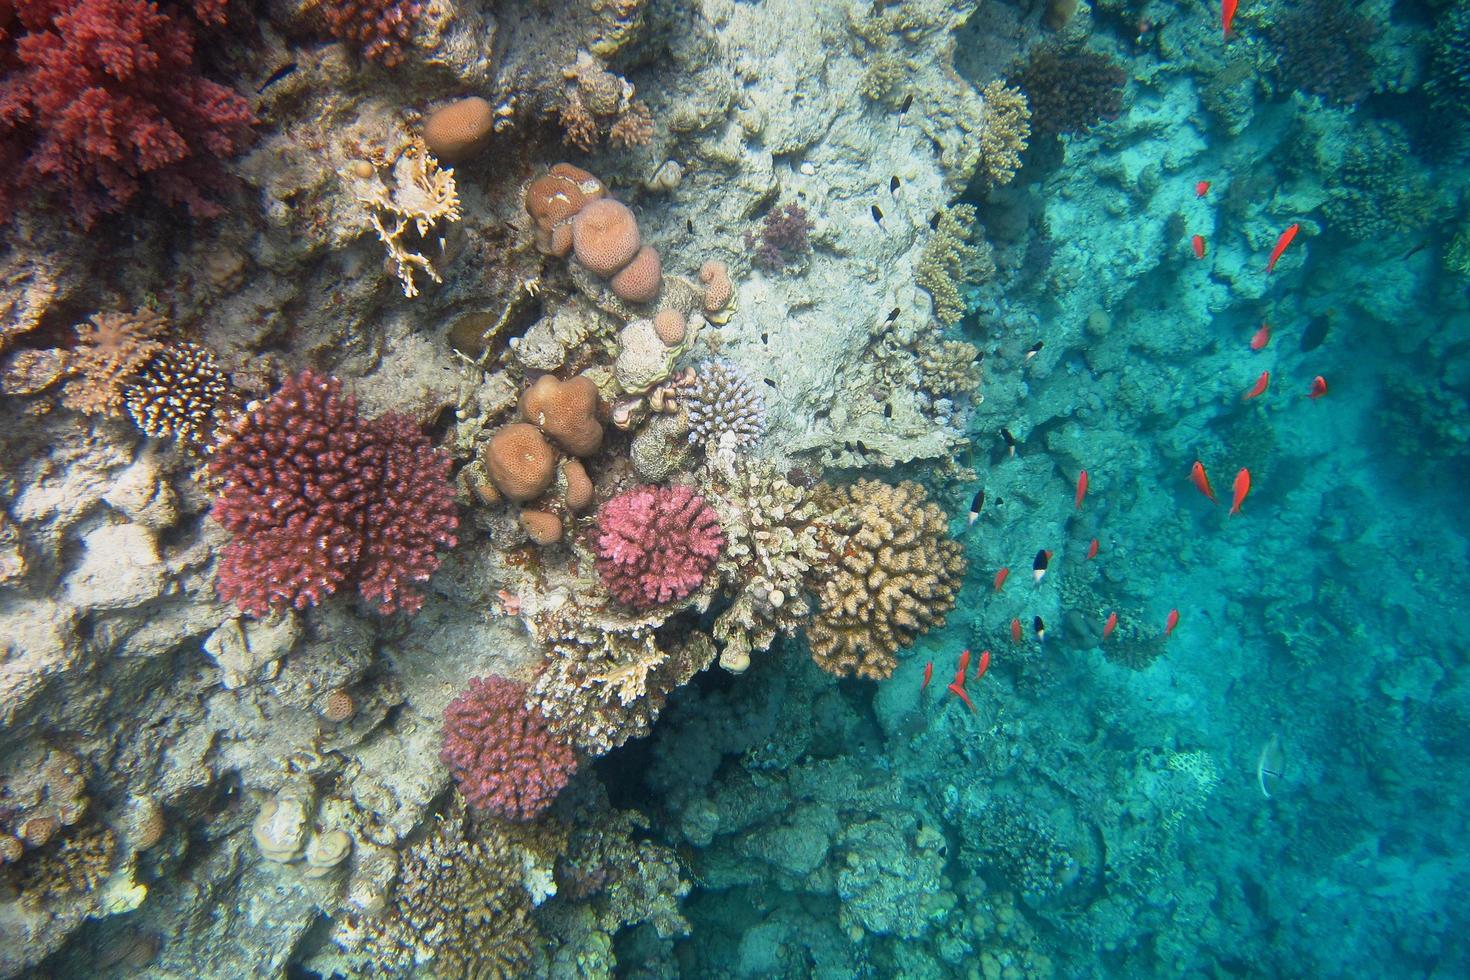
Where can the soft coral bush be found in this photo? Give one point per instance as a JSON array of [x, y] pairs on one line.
[[101, 99]]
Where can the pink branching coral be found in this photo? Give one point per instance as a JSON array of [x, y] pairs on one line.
[[380, 29], [318, 497], [500, 751], [656, 544], [100, 99]]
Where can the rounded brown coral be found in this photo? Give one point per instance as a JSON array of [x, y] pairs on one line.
[[640, 280], [717, 286], [520, 462], [670, 325], [579, 485], [458, 130], [541, 526], [566, 411], [605, 236]]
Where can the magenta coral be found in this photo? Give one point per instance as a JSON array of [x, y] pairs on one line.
[[655, 544], [500, 751], [318, 497], [100, 99], [380, 29]]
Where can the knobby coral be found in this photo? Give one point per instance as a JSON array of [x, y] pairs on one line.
[[781, 240], [1449, 78], [949, 368], [724, 408], [318, 497], [181, 392], [101, 100], [656, 544], [1007, 127], [1070, 89], [895, 574], [380, 29], [1322, 48], [500, 751], [949, 258]]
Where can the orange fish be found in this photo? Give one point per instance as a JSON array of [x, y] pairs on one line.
[[1092, 550], [959, 674], [1201, 480], [1202, 188], [1081, 490], [958, 689], [1281, 243], [1016, 630], [1258, 388], [984, 664], [1227, 14], [1319, 388], [1262, 337], [1171, 622], [928, 673], [1242, 487], [1000, 578], [1198, 244], [1110, 625]]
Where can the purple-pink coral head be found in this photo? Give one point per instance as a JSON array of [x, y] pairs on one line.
[[500, 752], [318, 497], [656, 544]]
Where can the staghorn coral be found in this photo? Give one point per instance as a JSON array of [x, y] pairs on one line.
[[604, 683], [1322, 48], [379, 29], [422, 196], [500, 751], [781, 239], [111, 349], [318, 497], [949, 368], [1070, 89], [101, 101], [725, 410], [181, 392], [949, 259], [772, 544], [1007, 128], [656, 544], [894, 574]]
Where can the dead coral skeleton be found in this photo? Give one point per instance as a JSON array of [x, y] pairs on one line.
[[422, 196]]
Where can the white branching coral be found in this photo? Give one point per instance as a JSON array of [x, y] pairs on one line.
[[422, 197]]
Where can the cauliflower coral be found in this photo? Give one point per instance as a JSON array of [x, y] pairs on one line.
[[656, 544]]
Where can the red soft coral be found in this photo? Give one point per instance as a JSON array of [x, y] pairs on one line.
[[656, 544], [100, 99], [318, 497], [380, 29], [500, 751]]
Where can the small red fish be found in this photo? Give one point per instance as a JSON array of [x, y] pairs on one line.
[[1202, 188], [1092, 550], [1259, 388], [1081, 490], [1227, 14], [1262, 337], [1281, 243], [956, 689], [1201, 480], [959, 674], [928, 673], [1171, 622], [1000, 577], [1016, 630], [1319, 388], [1110, 625], [1242, 487], [984, 664], [1198, 244]]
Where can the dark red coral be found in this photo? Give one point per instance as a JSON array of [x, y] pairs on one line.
[[781, 239], [1323, 48], [1070, 89], [318, 498], [656, 544], [500, 751], [101, 99], [380, 29]]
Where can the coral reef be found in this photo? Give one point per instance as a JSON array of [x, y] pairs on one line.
[[725, 410], [1070, 89], [1449, 78], [100, 101], [1379, 189], [781, 239], [317, 498], [894, 575], [656, 544], [500, 752]]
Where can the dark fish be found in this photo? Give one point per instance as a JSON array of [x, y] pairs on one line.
[[1035, 349], [892, 315], [765, 338], [908, 100], [877, 214], [1316, 332], [976, 504], [893, 185], [1411, 252], [769, 382], [934, 222], [1010, 440], [888, 410], [689, 225], [1039, 563], [1039, 627], [276, 76], [861, 447]]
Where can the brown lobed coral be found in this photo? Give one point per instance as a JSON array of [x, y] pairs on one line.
[[894, 575]]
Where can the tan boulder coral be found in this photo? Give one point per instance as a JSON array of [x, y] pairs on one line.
[[719, 291], [553, 199], [893, 576], [640, 280], [579, 494], [566, 411], [541, 526], [459, 130], [520, 462], [605, 236]]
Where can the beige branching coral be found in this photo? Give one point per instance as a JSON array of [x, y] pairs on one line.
[[594, 96], [894, 575], [422, 197], [772, 543], [949, 368], [949, 259], [1006, 130], [111, 349], [606, 682]]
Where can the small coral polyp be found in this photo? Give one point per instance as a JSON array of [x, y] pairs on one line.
[[656, 544]]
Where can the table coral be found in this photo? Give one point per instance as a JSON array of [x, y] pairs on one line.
[[101, 100], [318, 497], [501, 752], [656, 544], [895, 575]]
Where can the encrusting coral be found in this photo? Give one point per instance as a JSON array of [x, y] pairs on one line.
[[111, 349], [318, 497], [656, 544], [422, 197], [894, 574]]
